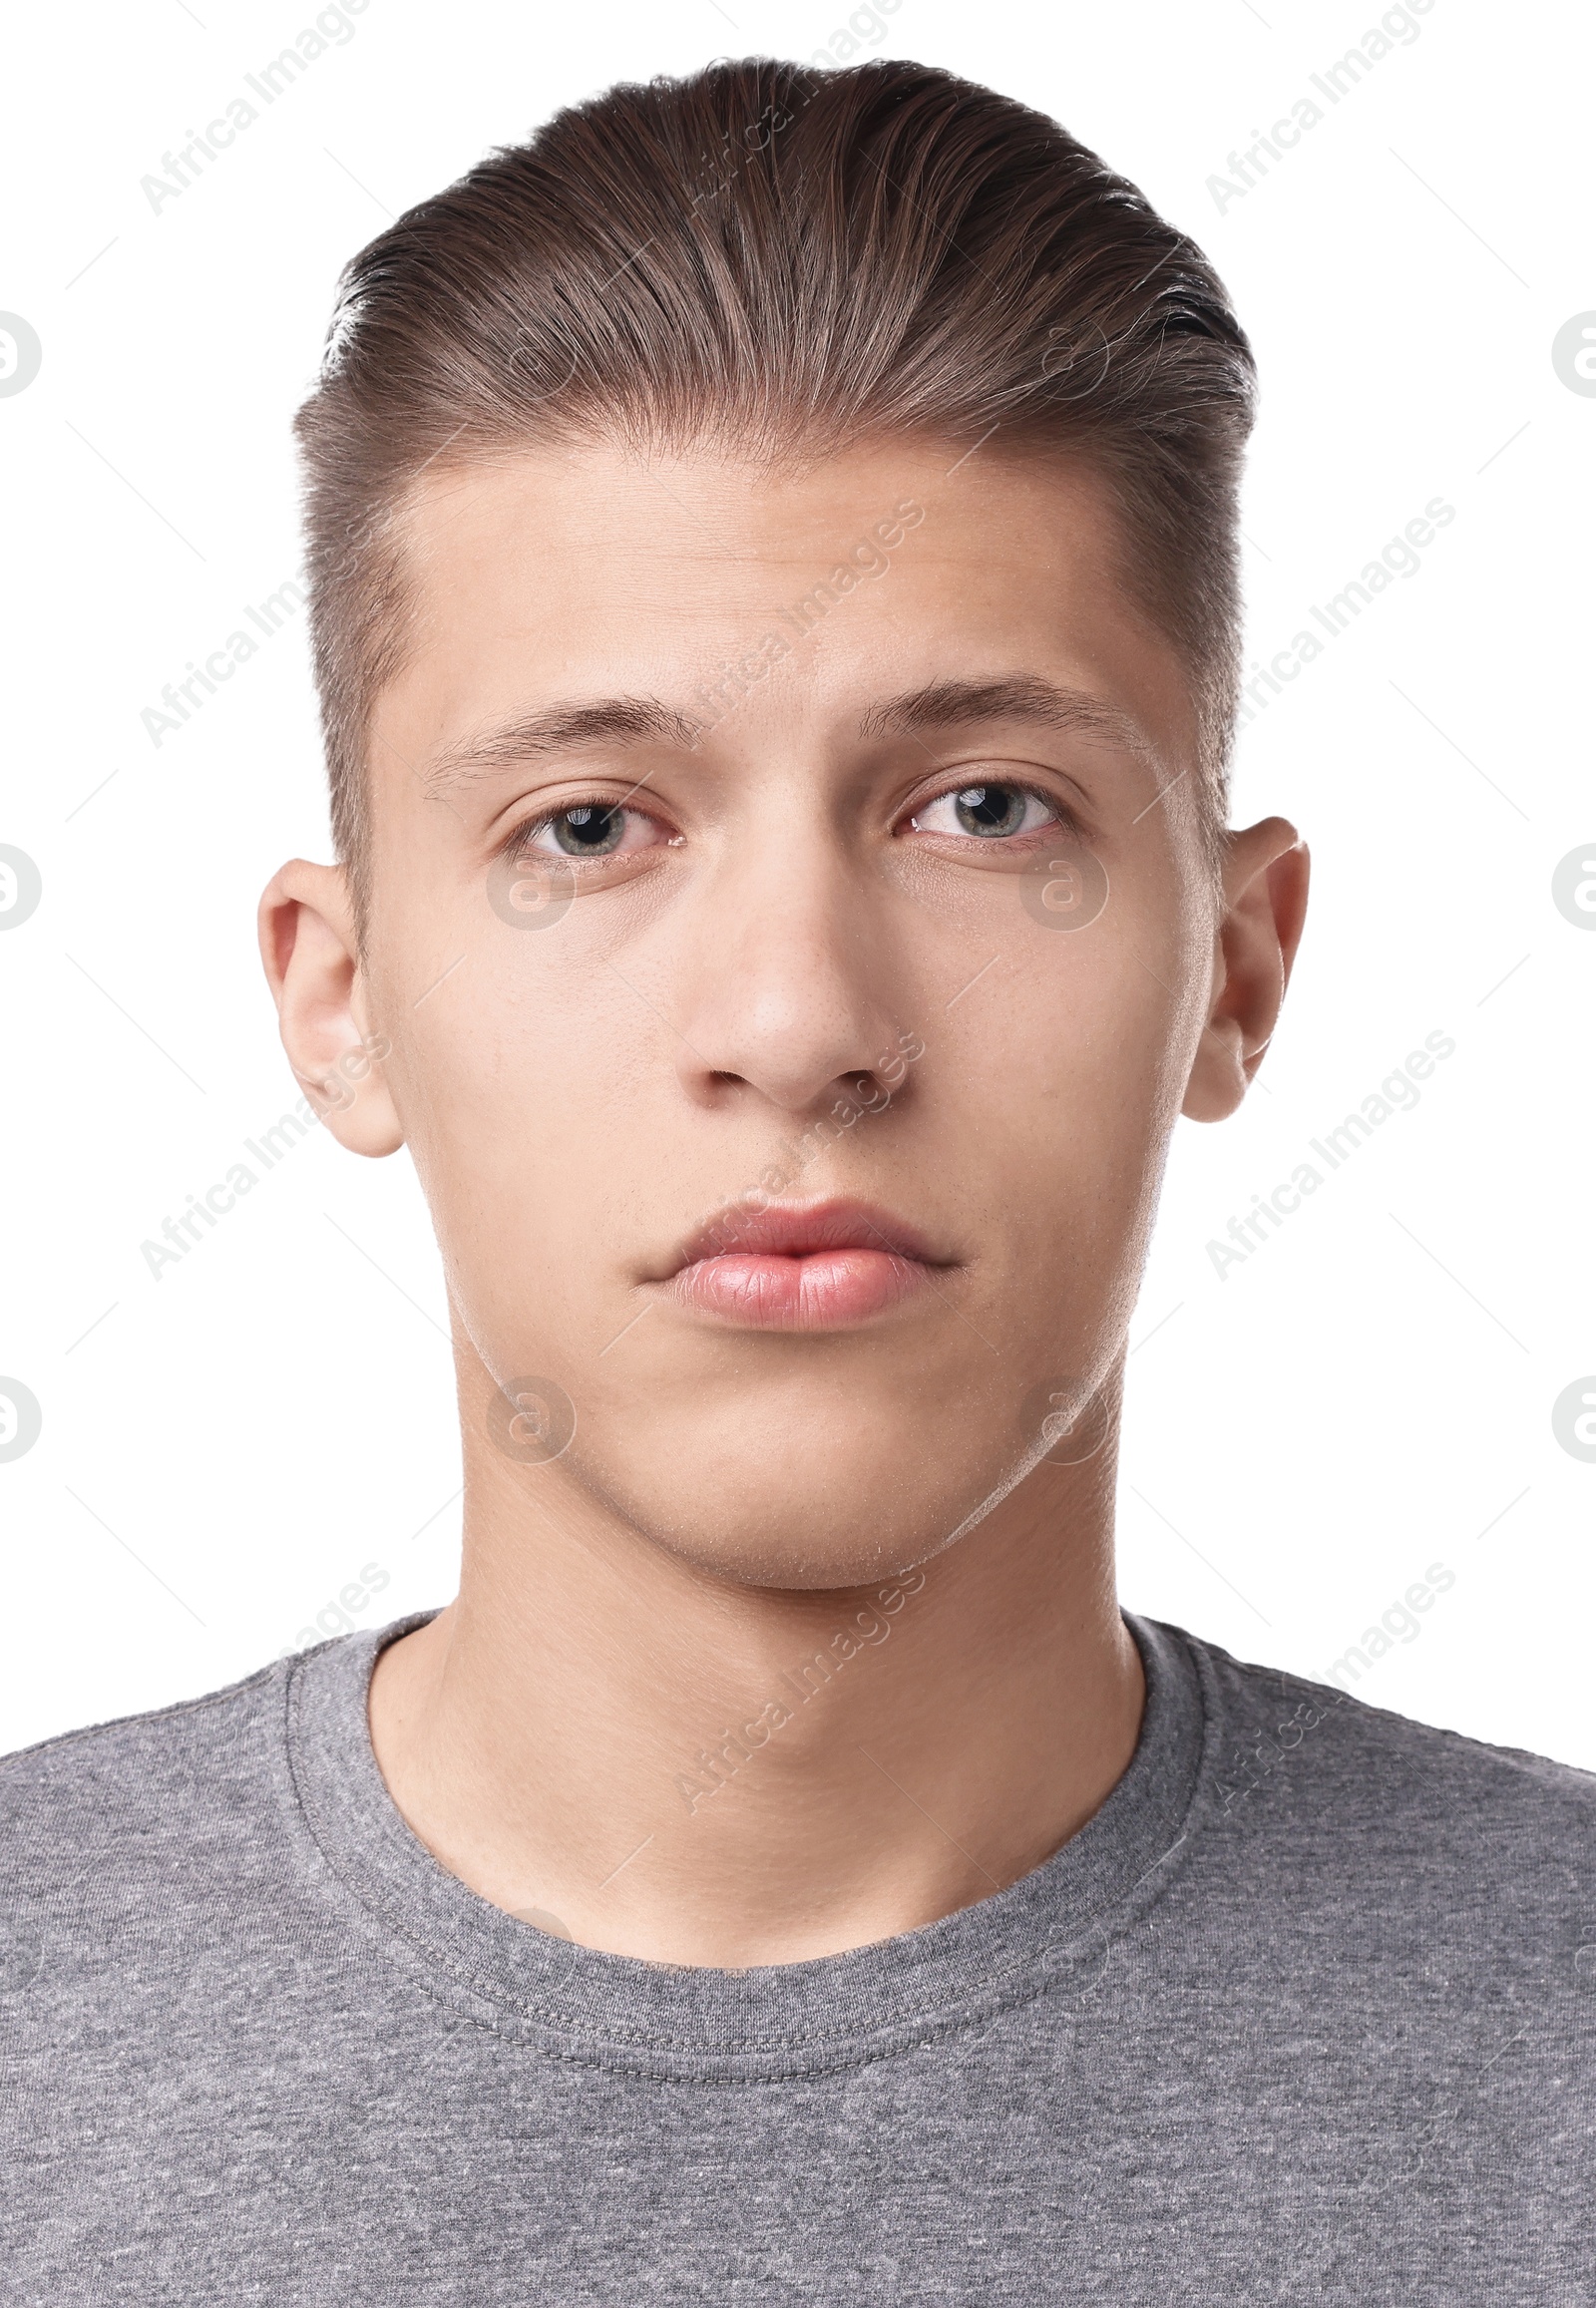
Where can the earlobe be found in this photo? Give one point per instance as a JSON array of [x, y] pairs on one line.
[[310, 955], [1255, 944]]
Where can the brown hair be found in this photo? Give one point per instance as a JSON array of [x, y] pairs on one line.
[[786, 261]]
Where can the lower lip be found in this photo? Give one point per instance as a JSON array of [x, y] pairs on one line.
[[824, 1290]]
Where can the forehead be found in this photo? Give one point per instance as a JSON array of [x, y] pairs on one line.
[[582, 569]]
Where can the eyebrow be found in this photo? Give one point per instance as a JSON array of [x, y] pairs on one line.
[[557, 729], [946, 704], [957, 704]]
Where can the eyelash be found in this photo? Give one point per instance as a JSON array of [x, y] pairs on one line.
[[1061, 816], [525, 834], [1058, 814]]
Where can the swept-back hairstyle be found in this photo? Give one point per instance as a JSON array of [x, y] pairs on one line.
[[784, 262]]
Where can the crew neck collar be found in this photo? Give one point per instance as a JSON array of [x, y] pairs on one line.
[[1049, 1933]]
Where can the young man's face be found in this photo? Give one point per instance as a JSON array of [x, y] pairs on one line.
[[791, 991]]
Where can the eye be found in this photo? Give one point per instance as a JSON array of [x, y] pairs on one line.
[[989, 812], [591, 829]]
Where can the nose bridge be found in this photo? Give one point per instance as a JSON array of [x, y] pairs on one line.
[[791, 976]]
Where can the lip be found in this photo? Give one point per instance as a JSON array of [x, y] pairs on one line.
[[823, 1265]]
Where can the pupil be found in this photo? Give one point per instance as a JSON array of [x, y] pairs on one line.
[[587, 829], [990, 808]]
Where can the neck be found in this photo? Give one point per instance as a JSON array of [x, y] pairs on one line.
[[658, 1763]]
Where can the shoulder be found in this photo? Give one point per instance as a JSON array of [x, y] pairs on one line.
[[165, 1737], [90, 1819], [1369, 1795]]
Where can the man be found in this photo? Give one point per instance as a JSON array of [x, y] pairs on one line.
[[775, 604]]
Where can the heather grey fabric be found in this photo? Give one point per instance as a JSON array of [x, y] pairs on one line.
[[1304, 2014]]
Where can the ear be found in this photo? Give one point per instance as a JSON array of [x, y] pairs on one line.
[[312, 965], [1264, 897]]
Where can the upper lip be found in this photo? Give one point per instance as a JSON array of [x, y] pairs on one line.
[[791, 1230]]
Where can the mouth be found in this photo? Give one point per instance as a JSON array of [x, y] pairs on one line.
[[827, 1266]]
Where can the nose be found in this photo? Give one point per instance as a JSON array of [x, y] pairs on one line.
[[789, 988]]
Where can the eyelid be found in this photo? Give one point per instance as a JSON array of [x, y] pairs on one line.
[[529, 828], [1062, 810]]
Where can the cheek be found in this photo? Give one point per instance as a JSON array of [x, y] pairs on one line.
[[1062, 1074], [1074, 1035], [512, 1077], [1072, 1139]]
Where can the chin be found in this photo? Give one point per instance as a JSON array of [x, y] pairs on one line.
[[801, 1511]]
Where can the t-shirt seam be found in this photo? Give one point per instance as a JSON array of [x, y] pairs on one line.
[[1010, 1999], [1007, 1995], [691, 2079]]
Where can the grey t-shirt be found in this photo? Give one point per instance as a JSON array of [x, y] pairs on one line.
[[1305, 2013]]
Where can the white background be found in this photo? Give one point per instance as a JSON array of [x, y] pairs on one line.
[[1368, 1395]]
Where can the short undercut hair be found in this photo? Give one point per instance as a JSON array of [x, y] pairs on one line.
[[784, 262]]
